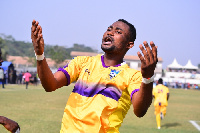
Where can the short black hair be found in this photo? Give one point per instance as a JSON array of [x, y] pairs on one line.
[[160, 81], [132, 29]]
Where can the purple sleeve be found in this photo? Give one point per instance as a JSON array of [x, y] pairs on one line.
[[66, 74], [133, 93]]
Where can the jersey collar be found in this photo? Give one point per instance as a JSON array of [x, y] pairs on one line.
[[103, 63]]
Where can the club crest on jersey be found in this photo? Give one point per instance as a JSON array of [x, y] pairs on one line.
[[113, 73]]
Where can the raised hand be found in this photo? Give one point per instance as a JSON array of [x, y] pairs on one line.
[[149, 61], [37, 38]]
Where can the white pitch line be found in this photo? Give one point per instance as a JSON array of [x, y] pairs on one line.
[[195, 124]]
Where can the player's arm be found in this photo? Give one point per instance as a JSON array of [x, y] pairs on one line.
[[167, 96], [49, 81], [9, 124], [142, 99]]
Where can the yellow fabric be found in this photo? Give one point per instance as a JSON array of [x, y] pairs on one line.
[[87, 114], [118, 115], [159, 109], [160, 95], [158, 120], [105, 110]]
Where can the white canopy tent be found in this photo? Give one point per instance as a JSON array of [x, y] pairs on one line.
[[175, 65], [190, 66]]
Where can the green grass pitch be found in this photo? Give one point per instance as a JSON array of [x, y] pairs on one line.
[[38, 111]]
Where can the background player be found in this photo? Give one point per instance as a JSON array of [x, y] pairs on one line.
[[161, 95]]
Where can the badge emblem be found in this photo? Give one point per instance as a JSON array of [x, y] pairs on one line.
[[113, 73]]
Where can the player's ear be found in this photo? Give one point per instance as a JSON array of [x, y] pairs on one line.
[[130, 45]]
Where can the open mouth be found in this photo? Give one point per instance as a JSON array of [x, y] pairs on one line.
[[107, 40]]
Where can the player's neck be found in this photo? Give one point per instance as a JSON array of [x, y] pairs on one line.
[[111, 60]]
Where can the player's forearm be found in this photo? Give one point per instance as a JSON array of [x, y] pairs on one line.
[[143, 99], [46, 76], [2, 120], [9, 124], [167, 96]]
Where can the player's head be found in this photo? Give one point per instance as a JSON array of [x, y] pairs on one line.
[[160, 81], [1, 60], [119, 37], [132, 30]]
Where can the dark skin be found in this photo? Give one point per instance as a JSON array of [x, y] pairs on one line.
[[115, 43], [118, 34], [9, 124]]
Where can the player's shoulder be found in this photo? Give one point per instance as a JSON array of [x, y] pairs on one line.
[[132, 72], [164, 87], [127, 68]]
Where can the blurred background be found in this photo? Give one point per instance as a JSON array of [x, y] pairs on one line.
[[71, 26]]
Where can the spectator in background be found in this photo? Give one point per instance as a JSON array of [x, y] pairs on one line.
[[23, 78], [27, 76], [165, 84], [2, 77], [2, 71], [6, 77], [14, 77], [20, 77], [9, 124], [11, 76], [188, 85], [35, 78]]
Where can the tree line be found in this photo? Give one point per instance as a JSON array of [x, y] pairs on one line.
[[9, 46]]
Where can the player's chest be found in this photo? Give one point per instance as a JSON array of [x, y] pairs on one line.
[[107, 76]]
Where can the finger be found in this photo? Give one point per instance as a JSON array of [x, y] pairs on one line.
[[39, 38], [152, 44], [37, 30], [33, 22], [33, 29], [141, 58], [144, 53], [40, 44], [40, 30], [149, 52], [42, 41], [34, 25], [154, 50]]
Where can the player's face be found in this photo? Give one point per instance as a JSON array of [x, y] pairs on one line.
[[1, 60], [116, 38]]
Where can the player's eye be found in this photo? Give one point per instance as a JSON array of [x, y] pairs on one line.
[[109, 29], [118, 32]]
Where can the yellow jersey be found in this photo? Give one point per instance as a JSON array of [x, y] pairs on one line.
[[101, 96], [160, 94]]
